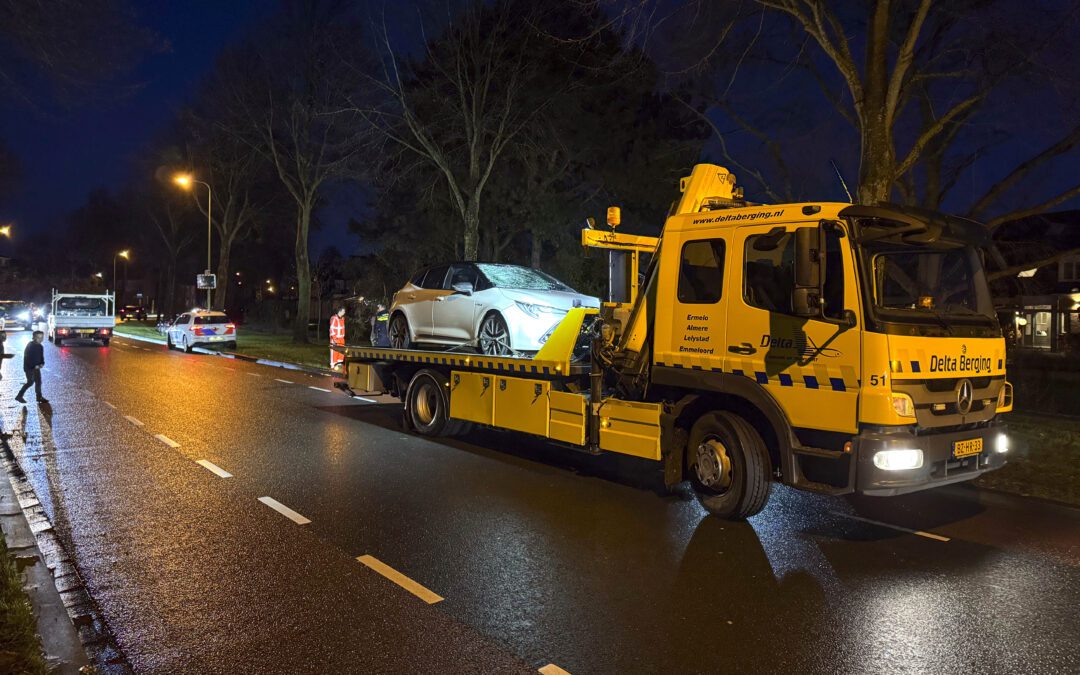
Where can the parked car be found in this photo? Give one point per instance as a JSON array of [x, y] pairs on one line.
[[201, 327], [494, 308], [129, 312], [15, 314]]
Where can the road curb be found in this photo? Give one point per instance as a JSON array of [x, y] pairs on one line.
[[311, 370], [60, 639]]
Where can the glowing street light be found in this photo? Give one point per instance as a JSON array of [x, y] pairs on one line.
[[5, 231], [187, 182]]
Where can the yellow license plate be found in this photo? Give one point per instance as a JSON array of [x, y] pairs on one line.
[[967, 448]]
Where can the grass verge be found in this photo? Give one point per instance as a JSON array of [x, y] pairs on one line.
[[1044, 459], [261, 344], [20, 646]]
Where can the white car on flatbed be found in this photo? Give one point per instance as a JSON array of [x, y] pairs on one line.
[[82, 316]]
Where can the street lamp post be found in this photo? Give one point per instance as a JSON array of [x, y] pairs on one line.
[[186, 181], [119, 254]]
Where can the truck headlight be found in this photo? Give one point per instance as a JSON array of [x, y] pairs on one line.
[[1001, 443], [903, 405], [903, 459], [23, 316], [535, 310]]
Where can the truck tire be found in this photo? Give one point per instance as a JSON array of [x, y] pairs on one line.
[[58, 341], [398, 332], [427, 405], [729, 466]]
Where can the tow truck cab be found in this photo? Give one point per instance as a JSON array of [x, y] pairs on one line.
[[860, 341], [837, 348]]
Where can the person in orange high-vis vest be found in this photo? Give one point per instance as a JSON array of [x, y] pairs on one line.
[[337, 337]]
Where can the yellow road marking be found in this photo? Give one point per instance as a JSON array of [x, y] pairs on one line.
[[400, 579], [552, 669]]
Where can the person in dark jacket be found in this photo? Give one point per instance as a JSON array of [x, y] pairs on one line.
[[33, 361]]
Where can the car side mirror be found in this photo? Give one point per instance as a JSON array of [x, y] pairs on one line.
[[806, 296], [463, 287]]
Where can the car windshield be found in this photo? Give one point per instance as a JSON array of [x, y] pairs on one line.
[[524, 278], [931, 283], [211, 319], [81, 306]]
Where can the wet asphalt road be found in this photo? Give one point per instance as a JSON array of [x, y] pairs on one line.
[[542, 555]]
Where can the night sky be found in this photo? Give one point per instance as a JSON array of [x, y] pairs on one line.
[[64, 154]]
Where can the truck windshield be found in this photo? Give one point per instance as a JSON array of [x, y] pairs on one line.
[[929, 284]]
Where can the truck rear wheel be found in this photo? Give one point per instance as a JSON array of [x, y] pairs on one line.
[[427, 404], [729, 466]]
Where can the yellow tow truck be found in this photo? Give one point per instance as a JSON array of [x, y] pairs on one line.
[[834, 347]]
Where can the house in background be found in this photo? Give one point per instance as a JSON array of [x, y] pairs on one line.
[[1040, 308]]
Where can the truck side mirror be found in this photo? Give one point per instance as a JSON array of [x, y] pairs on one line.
[[806, 298]]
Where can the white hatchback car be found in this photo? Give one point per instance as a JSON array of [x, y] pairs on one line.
[[496, 309], [200, 327]]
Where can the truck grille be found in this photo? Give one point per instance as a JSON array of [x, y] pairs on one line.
[[936, 400]]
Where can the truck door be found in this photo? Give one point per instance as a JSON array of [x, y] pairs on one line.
[[810, 366], [690, 332]]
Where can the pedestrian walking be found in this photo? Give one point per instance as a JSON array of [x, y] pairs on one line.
[[337, 337], [380, 337], [3, 354], [33, 362]]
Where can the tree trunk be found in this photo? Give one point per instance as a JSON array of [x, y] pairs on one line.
[[537, 249], [223, 273], [303, 276], [472, 230], [877, 162], [169, 305]]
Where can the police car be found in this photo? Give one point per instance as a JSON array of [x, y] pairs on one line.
[[200, 327]]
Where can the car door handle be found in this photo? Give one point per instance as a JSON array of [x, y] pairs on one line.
[[744, 348]]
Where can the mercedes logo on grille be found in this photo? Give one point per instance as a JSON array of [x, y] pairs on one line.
[[964, 396]]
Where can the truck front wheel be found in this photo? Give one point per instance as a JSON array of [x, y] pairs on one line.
[[729, 466]]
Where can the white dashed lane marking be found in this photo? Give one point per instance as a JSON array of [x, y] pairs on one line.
[[134, 421], [167, 441], [214, 468], [361, 398], [928, 535], [109, 404], [277, 379], [254, 374], [284, 510], [400, 579], [321, 389]]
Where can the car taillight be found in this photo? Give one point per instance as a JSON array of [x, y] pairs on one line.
[[62, 331], [104, 331]]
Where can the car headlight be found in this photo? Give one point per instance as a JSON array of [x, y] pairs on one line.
[[23, 316], [535, 310], [903, 459], [903, 405]]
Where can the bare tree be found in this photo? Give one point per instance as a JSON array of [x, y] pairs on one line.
[[461, 107], [175, 235], [233, 172], [290, 85]]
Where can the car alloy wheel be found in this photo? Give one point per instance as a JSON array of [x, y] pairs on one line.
[[495, 337], [399, 332]]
